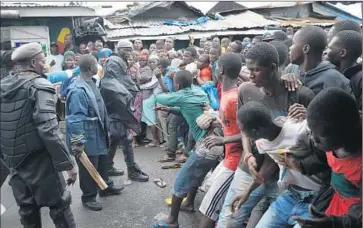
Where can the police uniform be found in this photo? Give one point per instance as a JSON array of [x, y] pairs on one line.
[[32, 145], [116, 79]]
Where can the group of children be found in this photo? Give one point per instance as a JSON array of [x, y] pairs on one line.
[[285, 150]]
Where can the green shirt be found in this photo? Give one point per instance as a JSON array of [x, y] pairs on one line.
[[189, 102]]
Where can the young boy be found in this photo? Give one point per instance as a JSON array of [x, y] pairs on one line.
[[334, 121], [189, 102], [276, 138], [205, 72], [228, 68]]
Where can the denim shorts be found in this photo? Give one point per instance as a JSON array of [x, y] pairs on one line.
[[192, 174]]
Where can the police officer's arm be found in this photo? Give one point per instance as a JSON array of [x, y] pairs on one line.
[[45, 119], [76, 116]]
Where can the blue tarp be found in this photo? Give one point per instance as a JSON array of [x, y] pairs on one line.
[[199, 21]]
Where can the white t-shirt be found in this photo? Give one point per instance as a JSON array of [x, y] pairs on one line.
[[285, 143], [192, 68], [58, 62]]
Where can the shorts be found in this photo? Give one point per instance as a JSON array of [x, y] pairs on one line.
[[213, 201], [192, 174]]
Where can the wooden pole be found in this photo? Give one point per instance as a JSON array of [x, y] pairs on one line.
[[92, 171]]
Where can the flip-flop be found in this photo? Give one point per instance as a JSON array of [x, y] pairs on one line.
[[163, 224], [151, 145], [174, 166], [159, 182], [167, 159]]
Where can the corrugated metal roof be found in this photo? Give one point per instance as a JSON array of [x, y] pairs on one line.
[[301, 22], [245, 20], [198, 35], [36, 5], [123, 15]]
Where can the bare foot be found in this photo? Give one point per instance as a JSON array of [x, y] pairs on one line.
[[187, 207]]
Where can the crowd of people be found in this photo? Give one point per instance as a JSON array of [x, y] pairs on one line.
[[268, 127]]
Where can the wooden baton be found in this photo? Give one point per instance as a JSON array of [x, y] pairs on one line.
[[92, 171]]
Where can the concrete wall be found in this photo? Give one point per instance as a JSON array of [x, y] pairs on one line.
[[55, 25]]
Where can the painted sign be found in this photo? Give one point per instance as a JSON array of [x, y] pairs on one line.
[[60, 40]]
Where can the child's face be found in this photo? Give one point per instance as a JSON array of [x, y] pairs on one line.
[[76, 60], [213, 55], [153, 63], [70, 62], [202, 62], [324, 139], [152, 48], [130, 61], [103, 59]]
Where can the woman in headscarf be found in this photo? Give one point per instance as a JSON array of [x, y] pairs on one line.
[[103, 55], [147, 85], [69, 60]]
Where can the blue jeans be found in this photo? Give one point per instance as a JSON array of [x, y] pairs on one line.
[[290, 202], [240, 183]]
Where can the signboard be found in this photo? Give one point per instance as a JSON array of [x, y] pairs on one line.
[[18, 44]]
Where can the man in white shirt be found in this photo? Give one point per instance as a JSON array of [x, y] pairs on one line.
[[189, 56], [55, 59]]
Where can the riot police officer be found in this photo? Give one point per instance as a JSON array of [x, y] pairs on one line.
[[31, 142]]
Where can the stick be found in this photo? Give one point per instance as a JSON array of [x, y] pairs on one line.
[[92, 171], [151, 122]]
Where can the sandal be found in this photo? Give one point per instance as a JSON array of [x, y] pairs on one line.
[[159, 182], [151, 145], [174, 166], [167, 159]]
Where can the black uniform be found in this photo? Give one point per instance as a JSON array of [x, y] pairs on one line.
[[118, 90], [33, 148]]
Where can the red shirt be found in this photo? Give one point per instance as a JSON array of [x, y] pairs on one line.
[[345, 179], [206, 74], [228, 114]]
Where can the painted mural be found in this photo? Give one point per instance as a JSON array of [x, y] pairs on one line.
[[60, 39]]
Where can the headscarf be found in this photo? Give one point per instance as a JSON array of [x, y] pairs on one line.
[[105, 52]]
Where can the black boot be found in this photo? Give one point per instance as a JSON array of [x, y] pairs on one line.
[[115, 172], [136, 174], [62, 217], [93, 205], [30, 217], [113, 190]]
